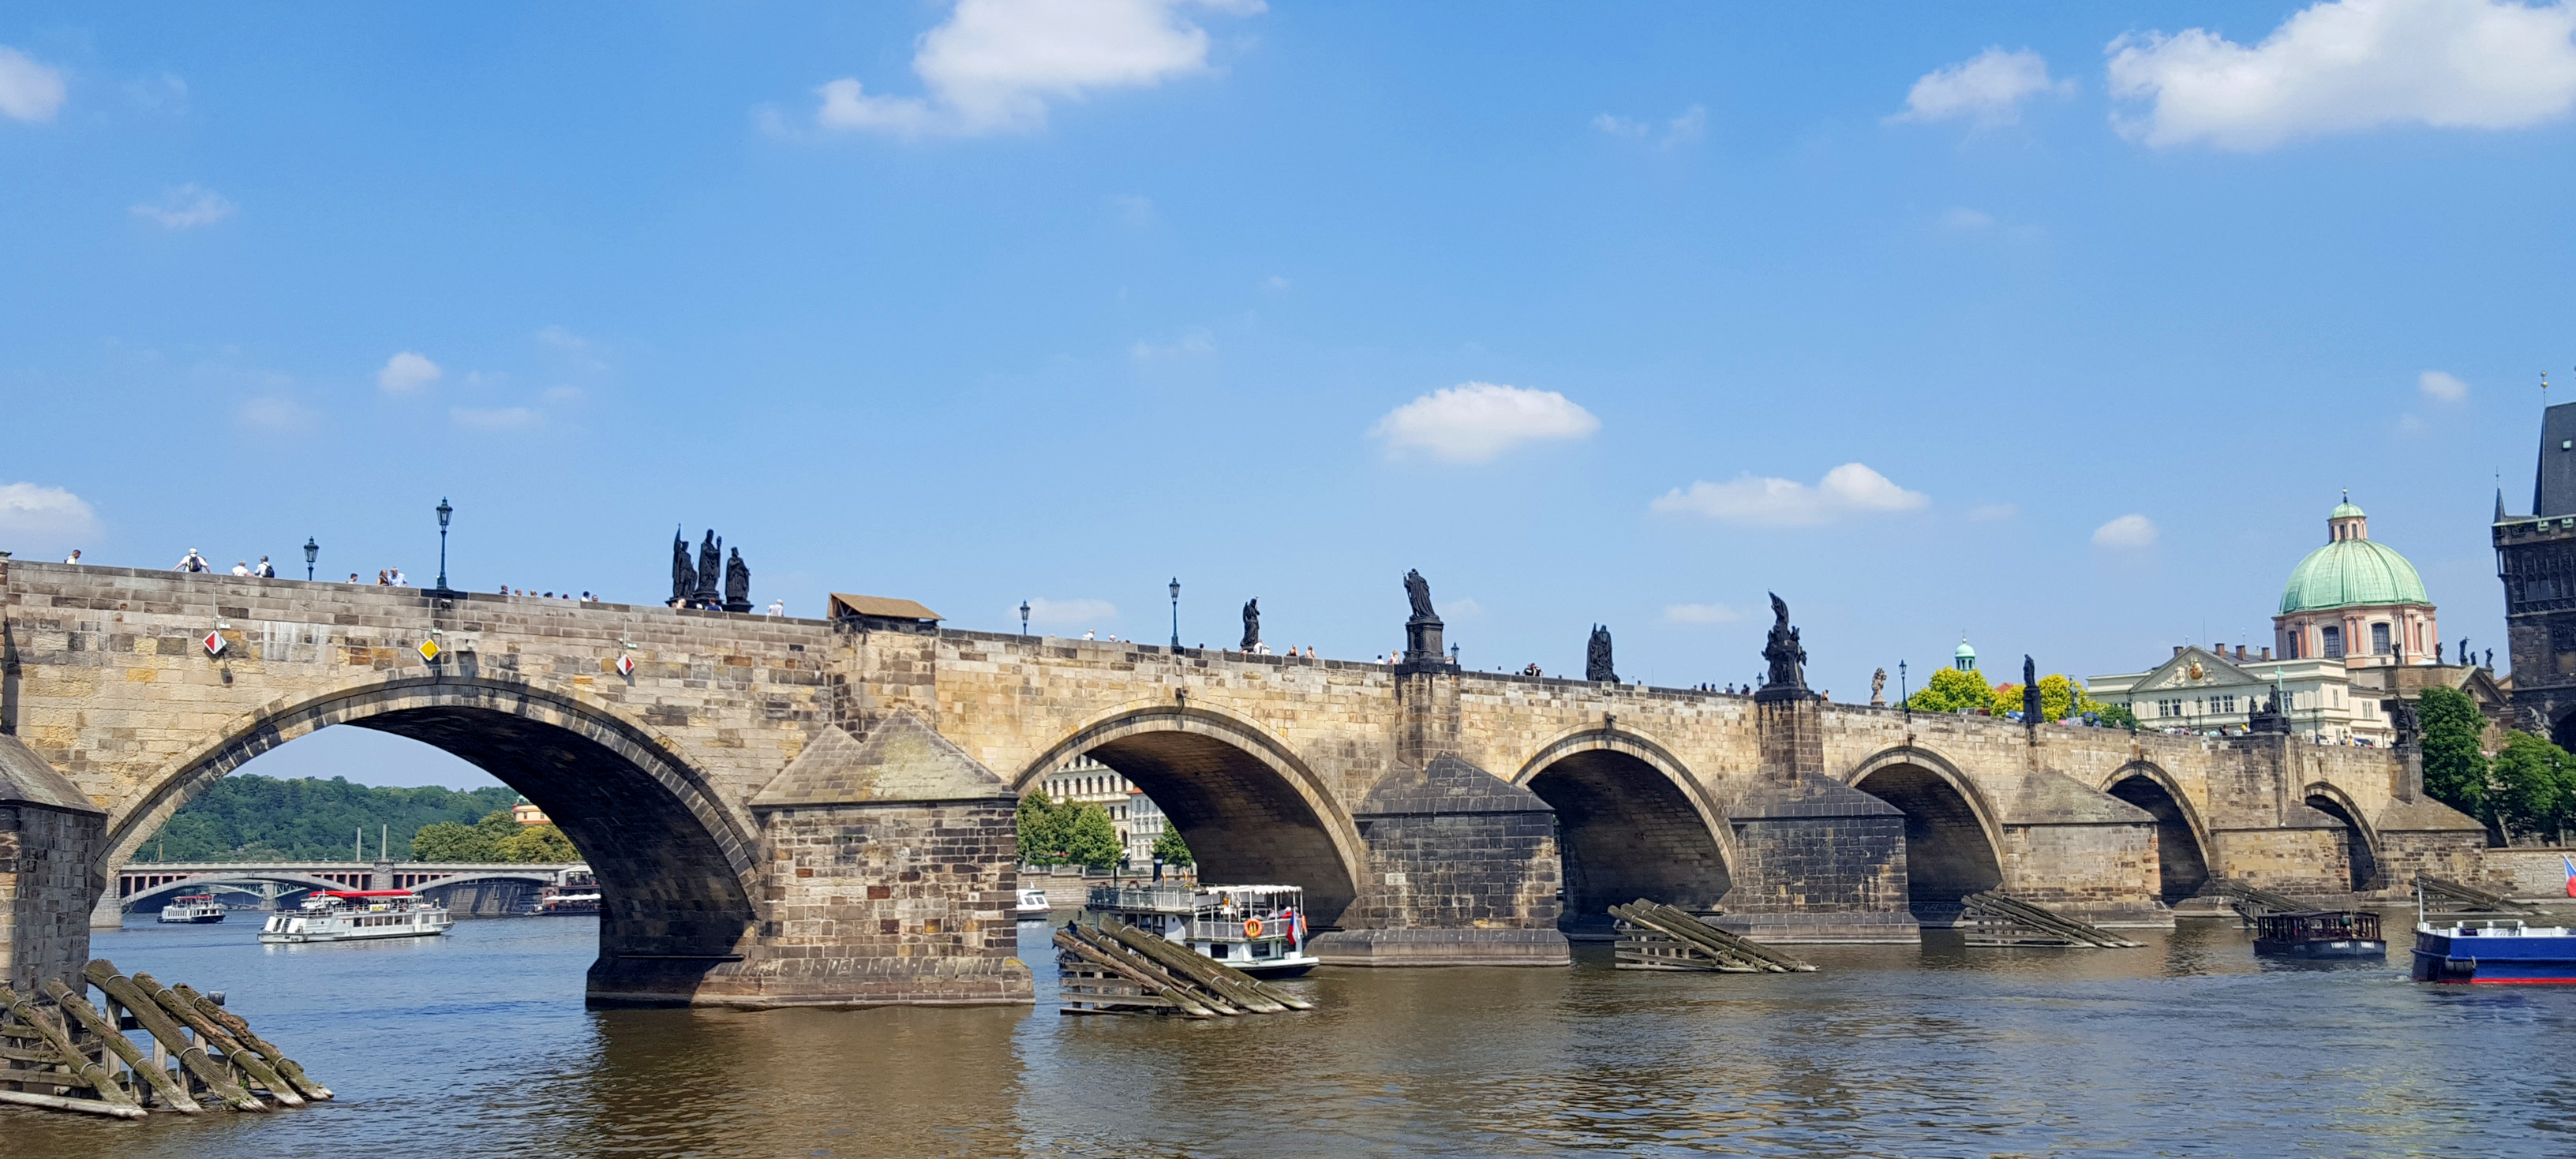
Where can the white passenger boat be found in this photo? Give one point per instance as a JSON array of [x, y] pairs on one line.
[[1033, 906], [1257, 929], [195, 909], [357, 915]]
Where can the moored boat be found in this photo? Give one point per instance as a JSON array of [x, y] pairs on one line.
[[2320, 934], [1033, 906], [196, 909], [358, 915], [2494, 951], [1256, 929]]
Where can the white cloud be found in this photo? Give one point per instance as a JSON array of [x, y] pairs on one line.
[[1475, 421], [407, 372], [2128, 531], [995, 64], [1701, 614], [1195, 342], [1461, 608], [1850, 489], [2349, 66], [1274, 282], [29, 91], [1681, 130], [276, 413], [1987, 89], [1044, 611], [1966, 220], [504, 418], [28, 509], [1992, 512], [2441, 387], [187, 207], [1134, 212]]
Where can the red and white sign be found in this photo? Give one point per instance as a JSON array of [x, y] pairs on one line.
[[214, 643], [626, 666]]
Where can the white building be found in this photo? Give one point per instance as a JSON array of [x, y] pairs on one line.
[[2215, 690], [1138, 820]]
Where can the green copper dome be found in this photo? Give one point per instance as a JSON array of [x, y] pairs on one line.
[[2351, 571]]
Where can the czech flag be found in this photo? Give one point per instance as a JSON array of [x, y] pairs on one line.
[[2571, 874]]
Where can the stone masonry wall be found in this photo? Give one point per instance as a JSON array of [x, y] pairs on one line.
[[46, 887]]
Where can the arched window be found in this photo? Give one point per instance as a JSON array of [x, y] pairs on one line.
[[2332, 634]]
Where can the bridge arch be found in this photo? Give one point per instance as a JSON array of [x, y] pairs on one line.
[[1632, 822], [2361, 841], [1250, 808], [1953, 840], [2182, 841], [675, 863]]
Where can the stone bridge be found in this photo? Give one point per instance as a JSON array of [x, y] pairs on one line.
[[785, 811], [150, 884]]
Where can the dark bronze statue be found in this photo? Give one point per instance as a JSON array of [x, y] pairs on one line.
[[1788, 658], [2031, 712], [1596, 656], [710, 571], [1418, 590], [1251, 624], [684, 579], [737, 584]]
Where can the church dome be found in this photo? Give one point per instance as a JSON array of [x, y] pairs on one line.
[[2351, 570], [1965, 659]]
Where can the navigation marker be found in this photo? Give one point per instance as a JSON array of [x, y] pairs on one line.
[[429, 650], [214, 643], [626, 667]]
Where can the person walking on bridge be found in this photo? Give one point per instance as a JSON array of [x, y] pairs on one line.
[[192, 562], [264, 571]]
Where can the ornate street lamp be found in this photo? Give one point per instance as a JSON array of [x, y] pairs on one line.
[[1176, 615], [443, 512], [312, 551], [1024, 617]]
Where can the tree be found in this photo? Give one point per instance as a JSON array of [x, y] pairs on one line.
[[537, 844], [2116, 716], [247, 816], [1951, 690], [2455, 771], [1090, 839], [1041, 830], [2057, 694], [2525, 785], [451, 841], [1171, 850]]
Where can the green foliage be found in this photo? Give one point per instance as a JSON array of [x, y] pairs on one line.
[[1090, 839], [1041, 830], [2057, 694], [249, 817], [494, 838], [2116, 716], [1951, 689], [1172, 850], [2455, 771], [2529, 786]]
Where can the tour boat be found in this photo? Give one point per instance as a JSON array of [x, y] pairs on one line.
[[1033, 906], [552, 901], [2494, 951], [2320, 934], [350, 915], [1257, 929], [195, 909]]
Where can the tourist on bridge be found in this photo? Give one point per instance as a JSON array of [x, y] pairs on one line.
[[192, 562], [74, 557], [241, 568], [264, 571]]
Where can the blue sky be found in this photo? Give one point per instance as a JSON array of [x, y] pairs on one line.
[[1587, 313]]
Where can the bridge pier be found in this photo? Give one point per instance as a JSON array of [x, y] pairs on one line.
[[50, 838], [1817, 860], [1462, 871]]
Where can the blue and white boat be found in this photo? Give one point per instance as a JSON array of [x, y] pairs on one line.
[[2500, 951]]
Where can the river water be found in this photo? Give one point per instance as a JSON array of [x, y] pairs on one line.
[[478, 1044]]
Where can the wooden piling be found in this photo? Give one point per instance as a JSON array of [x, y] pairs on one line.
[[96, 1076], [63, 1103], [239, 1056], [239, 1028], [171, 1091], [218, 1080], [1248, 991]]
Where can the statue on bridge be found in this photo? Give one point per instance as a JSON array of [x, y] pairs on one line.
[[1788, 679], [684, 579], [737, 584], [1251, 624], [2031, 712], [1418, 590], [1596, 656], [710, 573], [1422, 631], [1878, 689]]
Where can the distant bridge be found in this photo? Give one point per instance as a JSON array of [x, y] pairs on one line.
[[148, 883]]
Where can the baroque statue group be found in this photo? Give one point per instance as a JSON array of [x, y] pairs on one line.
[[695, 587]]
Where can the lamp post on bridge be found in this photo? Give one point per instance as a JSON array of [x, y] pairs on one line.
[[312, 551], [443, 512], [1024, 617], [1176, 615]]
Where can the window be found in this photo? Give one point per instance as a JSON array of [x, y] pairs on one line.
[[2333, 637], [2379, 638], [2169, 707], [2222, 704]]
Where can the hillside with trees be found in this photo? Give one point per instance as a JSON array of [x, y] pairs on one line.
[[247, 817]]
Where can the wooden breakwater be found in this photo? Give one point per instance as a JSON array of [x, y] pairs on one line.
[[1994, 918], [64, 1053], [1661, 937], [1114, 968]]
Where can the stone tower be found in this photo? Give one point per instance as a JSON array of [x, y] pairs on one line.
[[2536, 559]]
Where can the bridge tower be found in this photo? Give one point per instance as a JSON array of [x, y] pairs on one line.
[[2536, 560]]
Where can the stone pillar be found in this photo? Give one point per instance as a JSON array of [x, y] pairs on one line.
[[1462, 870], [1426, 699], [51, 840], [1816, 860], [890, 872]]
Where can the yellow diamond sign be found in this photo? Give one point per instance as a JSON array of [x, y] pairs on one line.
[[429, 650]]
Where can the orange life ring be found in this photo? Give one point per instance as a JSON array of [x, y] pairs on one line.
[[1252, 927]]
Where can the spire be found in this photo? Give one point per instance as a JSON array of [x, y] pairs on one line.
[[2499, 505]]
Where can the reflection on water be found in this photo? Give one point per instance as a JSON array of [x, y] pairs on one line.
[[478, 1043]]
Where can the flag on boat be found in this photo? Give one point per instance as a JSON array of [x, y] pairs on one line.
[[2571, 874]]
